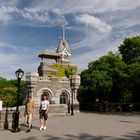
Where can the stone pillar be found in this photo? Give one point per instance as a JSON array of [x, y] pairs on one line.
[[0, 105], [0, 113], [75, 83]]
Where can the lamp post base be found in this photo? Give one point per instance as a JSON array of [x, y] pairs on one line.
[[72, 111], [15, 126], [15, 130]]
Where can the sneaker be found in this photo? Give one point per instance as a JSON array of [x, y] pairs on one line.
[[44, 127], [28, 130], [41, 128]]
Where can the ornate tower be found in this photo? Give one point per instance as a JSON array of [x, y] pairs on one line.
[[64, 50], [51, 81]]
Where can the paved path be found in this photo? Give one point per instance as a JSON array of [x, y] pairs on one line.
[[82, 126]]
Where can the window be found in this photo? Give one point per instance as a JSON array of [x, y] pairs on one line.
[[63, 98]]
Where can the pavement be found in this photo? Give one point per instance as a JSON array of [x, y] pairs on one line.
[[82, 126]]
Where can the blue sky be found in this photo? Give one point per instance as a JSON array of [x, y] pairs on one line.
[[93, 28]]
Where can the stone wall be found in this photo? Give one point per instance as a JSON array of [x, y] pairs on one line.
[[6, 114], [53, 87], [6, 117]]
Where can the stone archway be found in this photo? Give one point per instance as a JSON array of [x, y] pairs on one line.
[[44, 91], [64, 97], [63, 92], [47, 94]]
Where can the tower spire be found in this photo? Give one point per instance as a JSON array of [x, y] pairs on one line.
[[63, 35]]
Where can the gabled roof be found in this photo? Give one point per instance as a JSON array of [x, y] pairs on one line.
[[62, 45]]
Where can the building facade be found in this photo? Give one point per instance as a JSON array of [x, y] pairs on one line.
[[49, 81]]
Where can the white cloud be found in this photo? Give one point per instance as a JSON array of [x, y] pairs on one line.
[[88, 6], [43, 17], [11, 62], [40, 13], [99, 26], [9, 2], [12, 57], [31, 16], [34, 15], [100, 47], [7, 59], [94, 22], [83, 59], [4, 15]]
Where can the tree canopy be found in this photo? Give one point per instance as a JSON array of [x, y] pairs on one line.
[[130, 49], [8, 92], [115, 75]]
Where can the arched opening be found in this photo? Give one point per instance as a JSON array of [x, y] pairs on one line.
[[63, 98], [47, 94], [44, 91]]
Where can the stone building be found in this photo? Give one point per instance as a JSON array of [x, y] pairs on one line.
[[49, 81]]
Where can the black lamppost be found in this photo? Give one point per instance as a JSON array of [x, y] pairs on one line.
[[19, 74], [72, 83], [72, 104]]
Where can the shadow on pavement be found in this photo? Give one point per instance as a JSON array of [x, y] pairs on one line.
[[30, 138], [114, 113], [133, 136], [84, 136]]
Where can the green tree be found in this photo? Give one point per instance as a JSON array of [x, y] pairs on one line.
[[8, 92], [116, 75], [130, 49], [133, 71], [8, 96], [69, 72], [104, 76]]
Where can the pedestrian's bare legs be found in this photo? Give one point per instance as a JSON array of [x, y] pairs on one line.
[[30, 126], [45, 124], [41, 123]]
